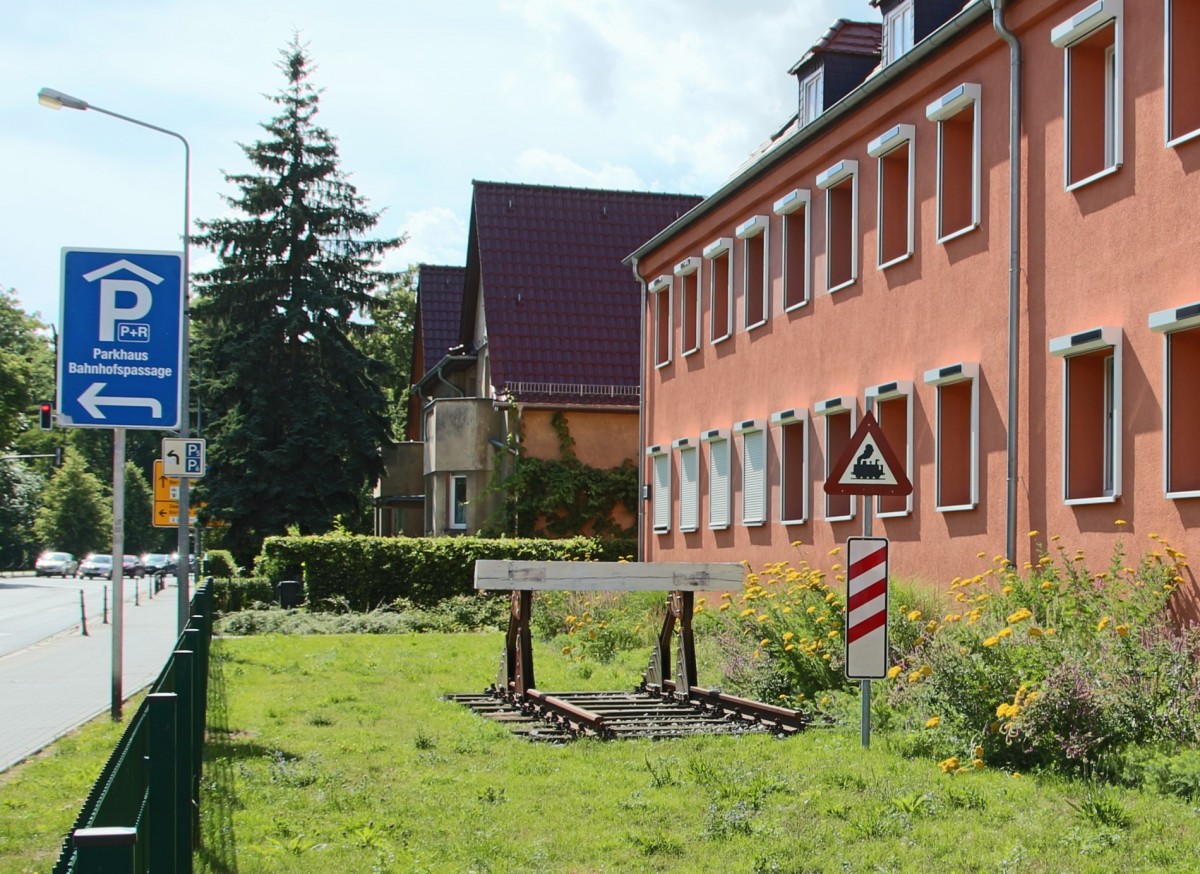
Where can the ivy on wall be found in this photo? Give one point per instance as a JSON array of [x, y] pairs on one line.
[[562, 497]]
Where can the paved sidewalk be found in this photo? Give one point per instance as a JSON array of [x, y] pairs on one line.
[[53, 687]]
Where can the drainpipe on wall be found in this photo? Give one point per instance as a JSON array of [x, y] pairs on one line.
[[1014, 268], [641, 455]]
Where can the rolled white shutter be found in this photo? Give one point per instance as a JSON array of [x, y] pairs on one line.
[[754, 477], [718, 484]]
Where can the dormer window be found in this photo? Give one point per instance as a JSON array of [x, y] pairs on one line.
[[898, 32], [811, 97]]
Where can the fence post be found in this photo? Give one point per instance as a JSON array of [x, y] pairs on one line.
[[82, 614], [184, 668], [105, 850], [163, 798]]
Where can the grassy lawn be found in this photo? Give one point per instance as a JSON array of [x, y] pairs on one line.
[[337, 754]]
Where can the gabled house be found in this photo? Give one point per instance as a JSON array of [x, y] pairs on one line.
[[400, 493], [984, 244], [547, 339]]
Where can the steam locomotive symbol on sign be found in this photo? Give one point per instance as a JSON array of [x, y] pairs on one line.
[[864, 468]]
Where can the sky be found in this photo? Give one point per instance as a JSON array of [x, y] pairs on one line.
[[422, 97]]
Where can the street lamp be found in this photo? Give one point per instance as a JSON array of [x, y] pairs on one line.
[[53, 99]]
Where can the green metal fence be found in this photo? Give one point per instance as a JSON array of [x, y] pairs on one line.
[[142, 814]]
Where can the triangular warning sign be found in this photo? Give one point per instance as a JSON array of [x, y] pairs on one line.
[[868, 466]]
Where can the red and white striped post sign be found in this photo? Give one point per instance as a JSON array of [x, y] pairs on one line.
[[866, 607]]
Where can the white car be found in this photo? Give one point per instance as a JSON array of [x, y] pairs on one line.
[[55, 564], [97, 565]]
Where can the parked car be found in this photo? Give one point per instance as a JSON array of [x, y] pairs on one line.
[[157, 562], [131, 566], [56, 564], [96, 565]]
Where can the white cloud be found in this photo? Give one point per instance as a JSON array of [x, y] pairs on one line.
[[435, 236], [542, 167]]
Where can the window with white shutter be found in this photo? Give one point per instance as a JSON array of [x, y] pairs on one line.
[[689, 483], [660, 498], [718, 478], [754, 471]]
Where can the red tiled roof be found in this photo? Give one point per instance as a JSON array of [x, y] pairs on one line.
[[848, 38], [439, 308], [560, 305]]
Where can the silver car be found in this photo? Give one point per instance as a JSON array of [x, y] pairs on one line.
[[97, 565], [55, 564]]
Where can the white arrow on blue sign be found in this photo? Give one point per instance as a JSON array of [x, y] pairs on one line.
[[121, 341]]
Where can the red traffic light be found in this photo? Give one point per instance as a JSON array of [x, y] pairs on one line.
[[46, 416]]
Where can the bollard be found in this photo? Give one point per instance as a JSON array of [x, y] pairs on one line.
[[82, 614], [106, 605], [134, 580]]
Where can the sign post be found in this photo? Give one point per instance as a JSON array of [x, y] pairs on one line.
[[868, 467], [120, 356]]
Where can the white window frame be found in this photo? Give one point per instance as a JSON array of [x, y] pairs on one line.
[[879, 148], [453, 523], [796, 418], [1067, 347], [876, 394], [826, 181], [944, 108], [754, 510], [720, 504], [1172, 137], [1074, 30], [1168, 322], [747, 231], [951, 374], [688, 271], [663, 285], [689, 482], [660, 488], [903, 14], [722, 246], [812, 86], [828, 408], [786, 208]]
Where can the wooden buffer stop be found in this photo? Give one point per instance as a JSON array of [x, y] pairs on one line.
[[667, 703]]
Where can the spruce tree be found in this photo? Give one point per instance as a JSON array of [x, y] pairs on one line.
[[292, 408]]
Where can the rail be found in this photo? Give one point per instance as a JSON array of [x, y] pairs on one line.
[[142, 813]]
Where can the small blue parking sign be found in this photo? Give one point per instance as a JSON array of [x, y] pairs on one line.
[[120, 347]]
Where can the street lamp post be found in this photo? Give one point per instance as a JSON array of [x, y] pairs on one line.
[[53, 99]]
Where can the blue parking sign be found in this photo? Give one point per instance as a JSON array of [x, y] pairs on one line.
[[121, 342]]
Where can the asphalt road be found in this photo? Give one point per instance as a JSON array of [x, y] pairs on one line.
[[35, 608]]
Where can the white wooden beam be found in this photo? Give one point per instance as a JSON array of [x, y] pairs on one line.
[[609, 576]]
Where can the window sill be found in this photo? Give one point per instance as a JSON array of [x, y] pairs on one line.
[[894, 514], [692, 351], [718, 527], [957, 508], [661, 364], [690, 530], [849, 282], [1107, 171], [803, 520], [1080, 502], [796, 306], [715, 340], [753, 523], [1183, 138], [849, 518], [954, 235], [1174, 496], [896, 261], [662, 530], [757, 324]]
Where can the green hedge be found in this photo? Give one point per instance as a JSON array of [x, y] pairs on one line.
[[241, 593], [370, 571]]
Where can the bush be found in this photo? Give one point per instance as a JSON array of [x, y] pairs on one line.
[[463, 613], [219, 563], [231, 595], [372, 571]]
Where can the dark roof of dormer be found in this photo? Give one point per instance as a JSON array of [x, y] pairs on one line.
[[844, 37], [439, 309]]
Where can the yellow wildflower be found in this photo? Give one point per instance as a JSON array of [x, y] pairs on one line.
[[762, 617], [1047, 586], [835, 550], [747, 611], [570, 620], [725, 606], [931, 626], [914, 677], [1103, 623], [978, 763], [981, 555], [1019, 616], [1007, 590], [991, 641], [1034, 533], [1120, 522], [979, 752], [914, 615], [788, 635], [1004, 632], [949, 765], [1049, 632], [765, 642], [893, 672], [1123, 630], [566, 650], [925, 671], [933, 722], [1034, 631]]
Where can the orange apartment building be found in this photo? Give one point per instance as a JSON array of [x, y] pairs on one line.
[[986, 240]]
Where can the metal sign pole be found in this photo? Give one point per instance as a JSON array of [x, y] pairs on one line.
[[118, 567], [865, 718]]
